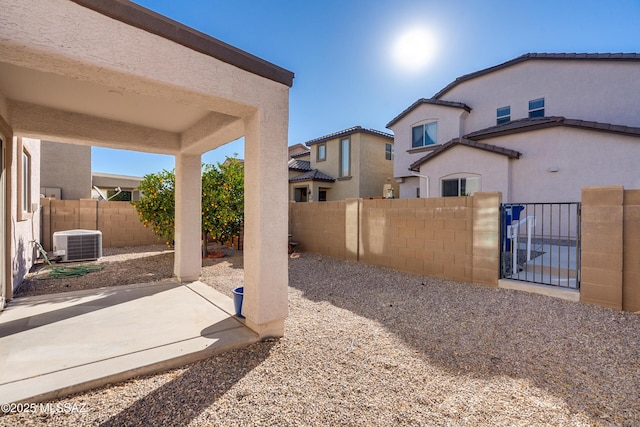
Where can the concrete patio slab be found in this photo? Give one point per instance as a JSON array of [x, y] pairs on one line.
[[53, 345]]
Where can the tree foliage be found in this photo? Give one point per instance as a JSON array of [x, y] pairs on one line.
[[156, 206], [222, 201]]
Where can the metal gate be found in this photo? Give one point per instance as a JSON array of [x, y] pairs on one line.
[[540, 243]]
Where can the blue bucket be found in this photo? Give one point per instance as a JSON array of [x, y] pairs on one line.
[[238, 295]]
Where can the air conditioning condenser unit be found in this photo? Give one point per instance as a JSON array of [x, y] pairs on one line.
[[77, 245]]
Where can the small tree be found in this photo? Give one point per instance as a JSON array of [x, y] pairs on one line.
[[156, 206], [222, 200]]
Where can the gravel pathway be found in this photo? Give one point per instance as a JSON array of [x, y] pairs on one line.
[[371, 346]]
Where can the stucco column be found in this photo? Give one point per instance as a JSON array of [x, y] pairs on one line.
[[188, 259], [266, 222]]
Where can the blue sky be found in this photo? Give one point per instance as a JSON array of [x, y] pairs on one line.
[[343, 52]]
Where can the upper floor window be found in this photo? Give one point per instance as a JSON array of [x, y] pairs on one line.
[[426, 134], [388, 151], [322, 152], [503, 115], [345, 157], [536, 108]]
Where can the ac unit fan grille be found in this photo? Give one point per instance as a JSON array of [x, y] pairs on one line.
[[86, 246]]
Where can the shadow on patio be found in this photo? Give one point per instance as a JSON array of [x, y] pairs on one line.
[[53, 345]]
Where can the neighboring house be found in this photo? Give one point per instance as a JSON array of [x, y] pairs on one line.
[[106, 185], [65, 174], [537, 128], [65, 171], [353, 163], [297, 149]]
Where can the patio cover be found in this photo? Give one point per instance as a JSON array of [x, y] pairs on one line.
[[114, 74]]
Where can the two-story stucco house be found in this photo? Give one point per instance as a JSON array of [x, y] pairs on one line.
[[352, 163], [538, 128]]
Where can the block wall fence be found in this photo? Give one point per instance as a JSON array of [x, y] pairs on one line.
[[118, 222], [610, 261], [454, 237], [458, 238]]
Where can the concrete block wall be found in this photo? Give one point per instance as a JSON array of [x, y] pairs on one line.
[[459, 238], [486, 238], [631, 247], [602, 246], [118, 221], [319, 227], [424, 236], [430, 236]]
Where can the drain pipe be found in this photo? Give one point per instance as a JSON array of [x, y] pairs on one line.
[[426, 177]]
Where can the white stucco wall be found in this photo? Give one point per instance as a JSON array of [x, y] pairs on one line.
[[576, 89], [449, 123], [408, 188], [586, 90], [583, 158], [464, 162]]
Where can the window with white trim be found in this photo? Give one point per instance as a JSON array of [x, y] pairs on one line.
[[536, 108], [423, 135], [388, 151], [503, 115], [322, 152], [460, 186]]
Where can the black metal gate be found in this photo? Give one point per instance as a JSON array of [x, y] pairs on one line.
[[540, 243]]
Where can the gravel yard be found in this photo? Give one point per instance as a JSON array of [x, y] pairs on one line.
[[371, 346]]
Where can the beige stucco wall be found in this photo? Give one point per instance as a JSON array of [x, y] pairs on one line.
[[369, 169], [26, 228], [68, 167], [375, 170], [149, 103]]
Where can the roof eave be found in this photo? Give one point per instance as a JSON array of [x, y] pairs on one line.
[[140, 17]]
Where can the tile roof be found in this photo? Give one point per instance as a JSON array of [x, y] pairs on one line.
[[468, 143], [430, 101], [350, 131], [299, 165], [305, 153], [312, 175], [541, 56], [530, 124]]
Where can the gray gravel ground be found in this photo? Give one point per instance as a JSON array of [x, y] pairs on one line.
[[368, 346]]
